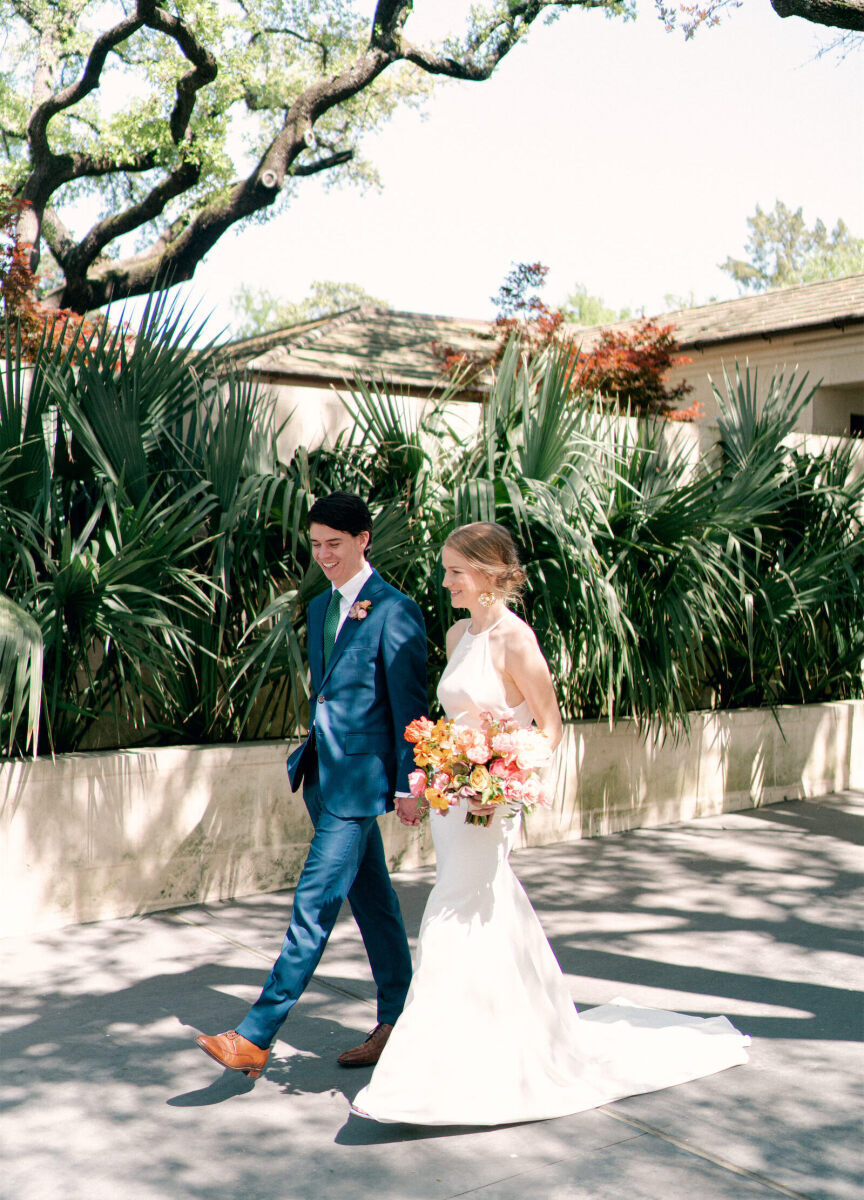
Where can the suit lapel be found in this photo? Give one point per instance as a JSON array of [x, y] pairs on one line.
[[370, 589], [315, 635]]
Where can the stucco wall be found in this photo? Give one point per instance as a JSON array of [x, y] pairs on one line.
[[109, 834], [834, 357]]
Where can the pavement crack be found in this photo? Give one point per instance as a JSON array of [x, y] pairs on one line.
[[698, 1152]]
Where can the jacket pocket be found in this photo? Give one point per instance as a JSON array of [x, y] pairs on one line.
[[371, 742]]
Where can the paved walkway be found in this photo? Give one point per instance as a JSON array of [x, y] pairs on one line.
[[104, 1096]]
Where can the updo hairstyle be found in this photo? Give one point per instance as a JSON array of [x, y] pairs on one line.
[[489, 548]]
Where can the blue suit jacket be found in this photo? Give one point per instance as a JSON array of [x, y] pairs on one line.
[[375, 683]]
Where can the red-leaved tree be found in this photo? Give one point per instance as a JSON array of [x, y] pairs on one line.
[[627, 367], [630, 368], [19, 302]]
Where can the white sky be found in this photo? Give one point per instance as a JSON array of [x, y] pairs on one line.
[[617, 154]]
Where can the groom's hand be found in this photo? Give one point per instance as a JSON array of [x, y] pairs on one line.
[[406, 810]]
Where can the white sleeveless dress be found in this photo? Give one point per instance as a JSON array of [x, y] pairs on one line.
[[489, 1034]]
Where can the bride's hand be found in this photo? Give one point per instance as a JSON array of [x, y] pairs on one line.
[[480, 810]]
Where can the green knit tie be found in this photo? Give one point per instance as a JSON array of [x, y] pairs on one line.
[[331, 625]]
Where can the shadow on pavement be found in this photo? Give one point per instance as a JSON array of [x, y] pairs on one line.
[[755, 916]]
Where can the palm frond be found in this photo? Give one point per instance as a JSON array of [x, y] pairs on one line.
[[20, 672]]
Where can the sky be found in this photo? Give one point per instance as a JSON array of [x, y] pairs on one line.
[[618, 155]]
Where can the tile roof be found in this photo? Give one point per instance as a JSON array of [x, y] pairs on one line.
[[374, 343], [399, 347], [830, 302]]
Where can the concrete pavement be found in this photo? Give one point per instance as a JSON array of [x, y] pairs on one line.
[[103, 1095]]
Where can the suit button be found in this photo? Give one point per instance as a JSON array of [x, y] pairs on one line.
[[322, 699]]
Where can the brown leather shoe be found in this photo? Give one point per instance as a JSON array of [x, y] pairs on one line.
[[234, 1051], [370, 1051]]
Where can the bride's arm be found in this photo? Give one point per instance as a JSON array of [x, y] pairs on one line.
[[527, 668]]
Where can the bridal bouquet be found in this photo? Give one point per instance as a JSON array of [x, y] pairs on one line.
[[498, 763]]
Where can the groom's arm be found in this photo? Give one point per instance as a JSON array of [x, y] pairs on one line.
[[403, 649]]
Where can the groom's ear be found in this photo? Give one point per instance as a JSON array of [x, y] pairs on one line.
[[366, 539]]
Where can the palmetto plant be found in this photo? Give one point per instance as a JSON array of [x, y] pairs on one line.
[[145, 525], [795, 622], [155, 567], [648, 575]]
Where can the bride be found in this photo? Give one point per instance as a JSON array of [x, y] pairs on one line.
[[489, 1033]]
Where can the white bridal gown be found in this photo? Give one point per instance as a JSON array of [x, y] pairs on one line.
[[489, 1033]]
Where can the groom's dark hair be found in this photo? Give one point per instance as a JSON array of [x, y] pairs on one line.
[[343, 511]]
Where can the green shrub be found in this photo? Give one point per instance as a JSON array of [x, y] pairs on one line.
[[155, 568]]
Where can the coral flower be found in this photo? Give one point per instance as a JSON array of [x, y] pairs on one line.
[[419, 729], [472, 743]]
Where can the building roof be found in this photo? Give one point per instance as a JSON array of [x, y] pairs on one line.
[[404, 348], [829, 303]]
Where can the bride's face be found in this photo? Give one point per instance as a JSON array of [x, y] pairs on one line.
[[463, 582]]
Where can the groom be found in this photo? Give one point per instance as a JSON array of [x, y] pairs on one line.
[[367, 661]]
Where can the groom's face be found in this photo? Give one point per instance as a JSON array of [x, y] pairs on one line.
[[340, 555]]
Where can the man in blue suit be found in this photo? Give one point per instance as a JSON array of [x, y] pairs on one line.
[[367, 661]]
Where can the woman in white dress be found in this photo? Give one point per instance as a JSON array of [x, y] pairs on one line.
[[489, 1034]]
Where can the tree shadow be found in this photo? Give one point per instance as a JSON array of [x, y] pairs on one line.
[[753, 910]]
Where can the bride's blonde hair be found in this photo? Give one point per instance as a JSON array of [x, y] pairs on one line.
[[489, 548]]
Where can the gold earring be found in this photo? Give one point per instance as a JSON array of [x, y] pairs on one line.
[[487, 599]]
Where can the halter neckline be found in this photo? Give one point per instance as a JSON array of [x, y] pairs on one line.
[[482, 631]]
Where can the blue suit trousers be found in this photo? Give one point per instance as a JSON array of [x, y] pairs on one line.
[[346, 858]]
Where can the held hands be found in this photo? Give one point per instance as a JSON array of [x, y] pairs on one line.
[[407, 810], [410, 810]]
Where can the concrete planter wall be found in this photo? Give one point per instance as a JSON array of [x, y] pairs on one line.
[[109, 834]]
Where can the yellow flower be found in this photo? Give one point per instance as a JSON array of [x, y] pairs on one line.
[[437, 799], [480, 778]]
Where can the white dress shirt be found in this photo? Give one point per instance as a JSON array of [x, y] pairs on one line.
[[349, 592]]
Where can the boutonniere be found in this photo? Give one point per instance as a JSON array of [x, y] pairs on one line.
[[358, 611]]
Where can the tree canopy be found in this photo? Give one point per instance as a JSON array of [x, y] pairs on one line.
[[259, 311], [582, 308], [187, 118], [782, 251]]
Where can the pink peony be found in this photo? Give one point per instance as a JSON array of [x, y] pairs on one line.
[[417, 783], [506, 768], [531, 790], [532, 749], [505, 743], [514, 790], [441, 780]]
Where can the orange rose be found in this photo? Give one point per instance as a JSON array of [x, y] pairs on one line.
[[418, 729]]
